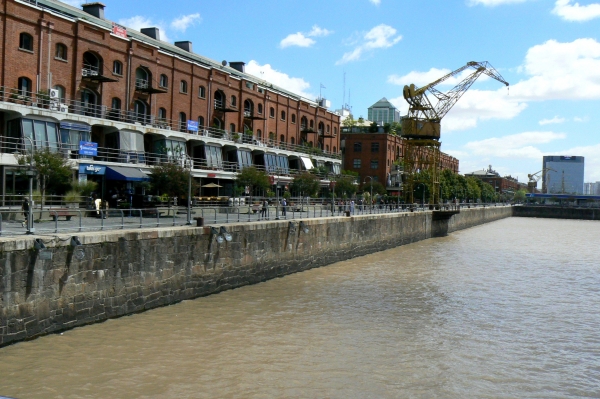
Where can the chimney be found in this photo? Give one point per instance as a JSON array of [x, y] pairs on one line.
[[151, 32], [238, 66], [185, 45], [95, 9]]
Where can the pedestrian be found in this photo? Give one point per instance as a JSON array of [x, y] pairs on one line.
[[25, 207], [264, 210], [283, 206], [352, 207]]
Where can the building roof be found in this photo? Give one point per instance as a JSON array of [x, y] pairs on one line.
[[383, 103]]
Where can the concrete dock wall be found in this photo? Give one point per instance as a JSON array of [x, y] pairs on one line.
[[122, 272], [557, 212]]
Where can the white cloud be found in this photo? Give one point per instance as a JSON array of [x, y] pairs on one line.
[[580, 119], [381, 36], [521, 145], [493, 3], [554, 120], [304, 39], [575, 12], [592, 161], [138, 22], [376, 2], [266, 72], [185, 21]]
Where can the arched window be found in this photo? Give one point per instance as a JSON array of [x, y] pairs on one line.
[[259, 134], [219, 99], [183, 87], [321, 127], [26, 41], [271, 136], [182, 122], [282, 139], [115, 109], [142, 78], [260, 109], [200, 121], [282, 115], [293, 118], [328, 129], [89, 103], [248, 108], [164, 80], [118, 68], [272, 112], [312, 124], [335, 130], [334, 150], [232, 127], [162, 114], [217, 123], [61, 52], [61, 92], [233, 101], [24, 85], [202, 92], [292, 141], [327, 148], [141, 111], [303, 123], [92, 64]]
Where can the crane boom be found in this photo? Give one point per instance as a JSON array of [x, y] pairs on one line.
[[423, 117]]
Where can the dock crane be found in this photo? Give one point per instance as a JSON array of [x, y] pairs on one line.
[[534, 178], [421, 127]]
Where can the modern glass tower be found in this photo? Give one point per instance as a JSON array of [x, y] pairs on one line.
[[565, 175], [383, 112]]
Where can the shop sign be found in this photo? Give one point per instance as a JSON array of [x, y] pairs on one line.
[[119, 30], [90, 169], [192, 126], [88, 148]]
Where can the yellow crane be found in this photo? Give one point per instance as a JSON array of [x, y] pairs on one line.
[[421, 126], [534, 178]]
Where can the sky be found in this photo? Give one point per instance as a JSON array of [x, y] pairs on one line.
[[355, 52]]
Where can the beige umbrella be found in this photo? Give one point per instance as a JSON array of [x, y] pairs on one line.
[[211, 185]]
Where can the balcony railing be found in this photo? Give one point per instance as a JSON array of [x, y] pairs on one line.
[[42, 100]]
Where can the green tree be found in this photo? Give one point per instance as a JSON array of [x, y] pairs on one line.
[[306, 183], [378, 188], [345, 187], [473, 190], [520, 195], [349, 122], [253, 179], [172, 179], [373, 128], [53, 172]]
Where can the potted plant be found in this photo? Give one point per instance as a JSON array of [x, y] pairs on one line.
[[236, 137], [43, 98]]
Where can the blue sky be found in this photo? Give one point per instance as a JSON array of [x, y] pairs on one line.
[[548, 50]]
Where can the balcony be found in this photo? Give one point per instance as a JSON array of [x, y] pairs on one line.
[[94, 74], [145, 86], [65, 106]]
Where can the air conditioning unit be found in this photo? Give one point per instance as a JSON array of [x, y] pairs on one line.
[[84, 72], [63, 108], [54, 94]]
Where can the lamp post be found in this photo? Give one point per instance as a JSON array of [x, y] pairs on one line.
[[371, 198], [277, 194], [30, 173], [423, 196], [189, 207]]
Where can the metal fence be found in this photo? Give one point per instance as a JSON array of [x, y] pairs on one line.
[[53, 221]]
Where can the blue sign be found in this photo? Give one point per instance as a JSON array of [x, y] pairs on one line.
[[90, 169], [192, 126], [88, 148]]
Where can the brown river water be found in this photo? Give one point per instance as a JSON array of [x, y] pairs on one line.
[[510, 309]]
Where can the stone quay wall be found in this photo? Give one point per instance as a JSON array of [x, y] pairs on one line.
[[557, 212], [116, 273]]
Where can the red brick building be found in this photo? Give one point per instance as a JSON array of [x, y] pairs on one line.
[[139, 98], [374, 154]]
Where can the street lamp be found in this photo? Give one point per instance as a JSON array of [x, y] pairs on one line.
[[30, 173], [277, 194], [423, 197], [189, 208], [371, 198]]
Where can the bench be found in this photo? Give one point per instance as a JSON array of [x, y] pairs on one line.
[[67, 214]]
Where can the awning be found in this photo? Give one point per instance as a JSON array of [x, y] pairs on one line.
[[125, 174], [307, 163]]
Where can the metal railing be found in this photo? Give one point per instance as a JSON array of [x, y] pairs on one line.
[[66, 220], [41, 99]]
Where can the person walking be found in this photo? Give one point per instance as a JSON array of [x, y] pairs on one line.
[[25, 208], [352, 207], [283, 206], [265, 209]]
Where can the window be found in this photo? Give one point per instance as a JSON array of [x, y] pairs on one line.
[[356, 164], [26, 41], [233, 101], [327, 148], [357, 146], [334, 151], [292, 141], [115, 109], [271, 136], [232, 127], [328, 129], [303, 123], [117, 68], [282, 115], [259, 134], [183, 87], [312, 124], [335, 131], [293, 118], [200, 121], [182, 122], [250, 85], [272, 112], [374, 164], [43, 134], [260, 108], [374, 147], [61, 92], [61, 52], [162, 114], [24, 85], [202, 92], [321, 128], [282, 139], [164, 80], [115, 103]]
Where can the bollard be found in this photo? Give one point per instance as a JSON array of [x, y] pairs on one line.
[[199, 221]]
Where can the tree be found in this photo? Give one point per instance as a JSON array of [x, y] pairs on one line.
[[53, 172], [349, 122], [520, 195], [345, 187], [172, 179], [252, 178], [373, 128], [378, 188], [306, 183]]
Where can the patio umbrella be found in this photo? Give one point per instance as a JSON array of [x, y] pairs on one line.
[[211, 185]]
